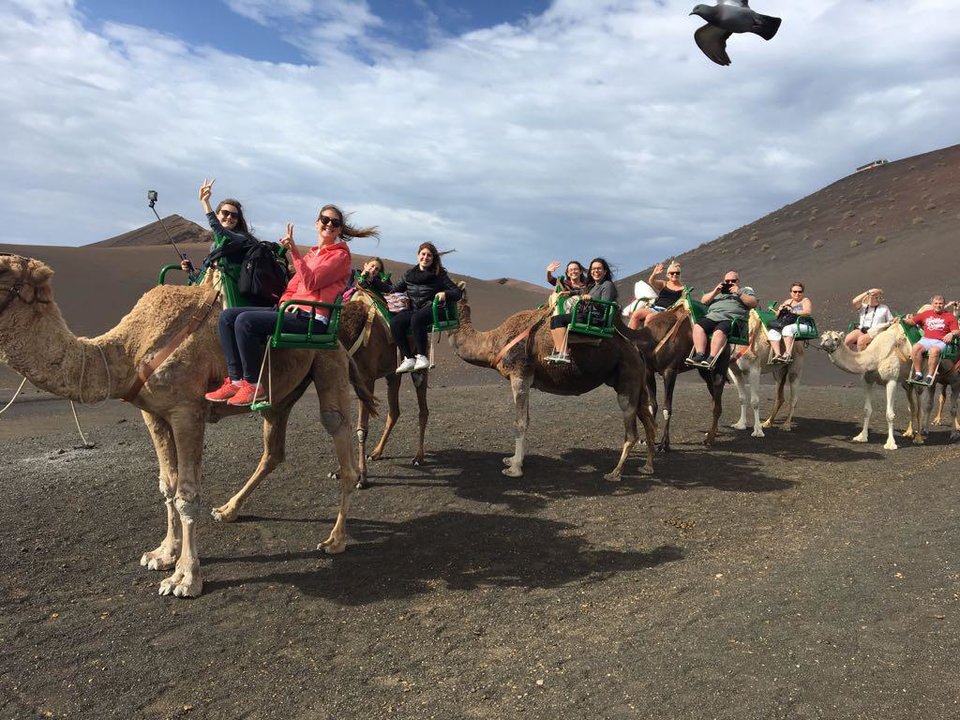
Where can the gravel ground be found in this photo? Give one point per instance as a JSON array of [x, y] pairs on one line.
[[796, 576]]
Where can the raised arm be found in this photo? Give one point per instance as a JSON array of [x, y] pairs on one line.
[[654, 282]]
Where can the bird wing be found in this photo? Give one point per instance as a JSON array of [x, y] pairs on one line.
[[735, 3], [713, 41]]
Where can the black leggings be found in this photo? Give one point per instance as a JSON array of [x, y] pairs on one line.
[[417, 321]]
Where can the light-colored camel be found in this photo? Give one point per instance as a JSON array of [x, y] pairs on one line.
[[885, 361], [751, 362], [517, 350], [375, 355], [666, 341], [947, 378], [35, 341]]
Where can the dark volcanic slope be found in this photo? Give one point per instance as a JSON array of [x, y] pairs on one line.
[[182, 231], [893, 226]]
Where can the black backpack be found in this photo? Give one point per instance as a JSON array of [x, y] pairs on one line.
[[263, 274]]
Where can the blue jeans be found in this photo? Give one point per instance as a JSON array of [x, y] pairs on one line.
[[243, 335]]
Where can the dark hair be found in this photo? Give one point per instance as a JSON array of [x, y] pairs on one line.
[[798, 284], [348, 231], [379, 261], [437, 265], [583, 270], [606, 268], [241, 220]]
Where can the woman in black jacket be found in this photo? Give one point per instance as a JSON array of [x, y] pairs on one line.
[[422, 283]]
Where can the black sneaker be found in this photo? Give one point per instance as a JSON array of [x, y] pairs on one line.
[[928, 381], [707, 362], [917, 378], [695, 359]]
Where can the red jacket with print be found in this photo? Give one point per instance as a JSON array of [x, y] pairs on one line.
[[320, 275]]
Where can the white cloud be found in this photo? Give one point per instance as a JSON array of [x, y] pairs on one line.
[[597, 128]]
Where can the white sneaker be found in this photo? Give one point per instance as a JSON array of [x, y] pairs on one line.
[[406, 366], [421, 362]]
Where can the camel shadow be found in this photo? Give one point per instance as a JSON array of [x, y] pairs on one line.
[[461, 551]]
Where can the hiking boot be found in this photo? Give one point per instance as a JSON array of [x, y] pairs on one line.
[[247, 394], [224, 392], [407, 365], [421, 362]]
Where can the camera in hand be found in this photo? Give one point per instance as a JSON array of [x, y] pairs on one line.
[[725, 286]]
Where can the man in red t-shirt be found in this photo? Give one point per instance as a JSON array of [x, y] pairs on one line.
[[939, 328]]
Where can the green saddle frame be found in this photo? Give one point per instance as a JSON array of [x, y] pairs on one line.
[[806, 325], [602, 326], [739, 329], [914, 333]]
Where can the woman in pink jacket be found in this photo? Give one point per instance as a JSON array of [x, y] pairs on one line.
[[320, 275]]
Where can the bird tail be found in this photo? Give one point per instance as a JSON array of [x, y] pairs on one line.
[[766, 26]]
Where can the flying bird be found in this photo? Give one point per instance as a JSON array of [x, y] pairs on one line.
[[728, 17]]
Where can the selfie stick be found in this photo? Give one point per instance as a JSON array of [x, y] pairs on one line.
[[152, 199]]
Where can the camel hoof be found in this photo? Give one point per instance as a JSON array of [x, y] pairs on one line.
[[332, 547], [374, 456], [182, 585], [224, 514], [766, 424], [757, 433], [739, 426], [890, 446], [155, 560], [786, 428], [417, 461], [362, 483], [334, 475], [612, 477], [512, 472], [862, 439], [919, 440], [663, 448]]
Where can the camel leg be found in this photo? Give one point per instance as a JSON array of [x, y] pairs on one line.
[[753, 375], [188, 427], [955, 406], [628, 400], [891, 444], [420, 384], [779, 375], [669, 383], [736, 377], [794, 381], [867, 412], [520, 384], [649, 421], [393, 414], [335, 422], [165, 555], [715, 380], [274, 443], [941, 402], [924, 400]]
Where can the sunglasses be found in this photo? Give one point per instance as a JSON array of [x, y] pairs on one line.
[[229, 214], [795, 292], [676, 272], [324, 220], [731, 280]]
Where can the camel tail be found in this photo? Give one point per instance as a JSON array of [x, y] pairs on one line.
[[363, 395], [766, 26]]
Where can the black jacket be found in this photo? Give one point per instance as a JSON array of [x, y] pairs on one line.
[[422, 285]]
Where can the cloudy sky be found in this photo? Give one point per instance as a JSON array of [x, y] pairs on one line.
[[515, 131]]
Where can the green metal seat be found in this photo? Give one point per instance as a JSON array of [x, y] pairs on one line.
[[594, 324], [914, 333], [309, 340], [806, 325], [445, 316]]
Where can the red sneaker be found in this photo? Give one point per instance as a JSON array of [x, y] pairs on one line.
[[224, 392], [247, 395]]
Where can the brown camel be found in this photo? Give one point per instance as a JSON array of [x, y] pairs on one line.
[[517, 348], [666, 341], [35, 341], [374, 352], [947, 378]]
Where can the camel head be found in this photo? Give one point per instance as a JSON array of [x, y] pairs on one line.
[[23, 280], [831, 340]]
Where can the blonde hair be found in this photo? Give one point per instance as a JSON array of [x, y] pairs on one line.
[[674, 265]]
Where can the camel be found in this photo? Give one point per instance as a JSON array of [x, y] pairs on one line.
[[947, 378], [754, 360], [35, 341], [666, 341], [885, 361], [375, 355], [517, 349]]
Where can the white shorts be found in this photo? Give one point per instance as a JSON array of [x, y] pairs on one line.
[[929, 343]]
